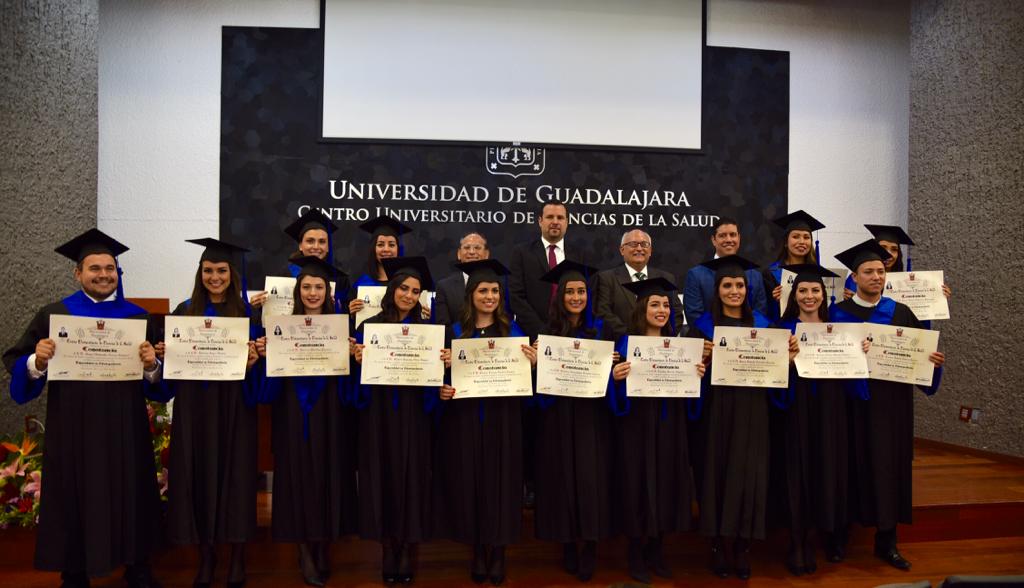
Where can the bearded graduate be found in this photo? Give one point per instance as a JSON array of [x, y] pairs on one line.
[[882, 426], [652, 464], [395, 436], [733, 492], [212, 468], [95, 513], [478, 497], [798, 247], [574, 443], [314, 452], [813, 443]]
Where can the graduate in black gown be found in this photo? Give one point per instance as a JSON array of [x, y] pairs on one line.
[[385, 243], [100, 507], [478, 467], [652, 461], [813, 444], [798, 247], [882, 426], [734, 489], [314, 458], [574, 443], [891, 238], [212, 470], [395, 437]]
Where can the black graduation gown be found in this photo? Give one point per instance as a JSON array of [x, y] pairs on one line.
[[573, 470], [882, 433], [212, 472], [478, 469], [654, 486], [395, 462], [733, 497], [100, 506], [314, 476]]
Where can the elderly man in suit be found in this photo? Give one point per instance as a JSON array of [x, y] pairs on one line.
[[451, 291], [613, 303]]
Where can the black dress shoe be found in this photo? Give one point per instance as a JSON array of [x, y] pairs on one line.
[[478, 570], [635, 559], [405, 574], [719, 565], [496, 566], [741, 557], [388, 563], [570, 559], [892, 557], [588, 561]]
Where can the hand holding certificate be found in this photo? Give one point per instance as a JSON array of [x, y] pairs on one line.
[[567, 366], [750, 357], [307, 345], [901, 354], [831, 350], [402, 354], [205, 347], [494, 366], [663, 367], [95, 349], [921, 291]]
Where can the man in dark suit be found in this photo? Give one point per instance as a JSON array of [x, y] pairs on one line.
[[613, 303], [530, 297], [700, 281], [451, 291]]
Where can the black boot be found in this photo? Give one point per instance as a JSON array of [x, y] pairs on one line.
[[570, 559], [635, 558], [741, 557], [588, 561], [496, 565], [885, 550], [478, 570], [655, 560]]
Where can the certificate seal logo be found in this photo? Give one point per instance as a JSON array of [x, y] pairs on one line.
[[208, 323], [309, 321], [911, 276], [405, 330], [666, 343], [515, 160], [576, 344], [753, 333], [100, 325], [828, 329], [490, 343], [899, 332]]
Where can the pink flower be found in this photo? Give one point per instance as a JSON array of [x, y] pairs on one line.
[[161, 479], [15, 468], [34, 484]]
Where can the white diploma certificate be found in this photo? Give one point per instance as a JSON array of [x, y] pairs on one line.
[[491, 366], [371, 295], [307, 345], [398, 354], [279, 297], [663, 366], [833, 286], [900, 354], [921, 291], [205, 347], [95, 349], [831, 350], [748, 356], [567, 366]]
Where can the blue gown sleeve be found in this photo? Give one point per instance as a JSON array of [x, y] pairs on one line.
[[936, 382], [163, 390], [23, 388]]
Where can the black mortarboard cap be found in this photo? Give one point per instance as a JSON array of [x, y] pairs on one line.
[[869, 250], [659, 286], [483, 270], [313, 219], [384, 225], [415, 266], [91, 242], [314, 266], [809, 272], [798, 221], [731, 266], [890, 233], [216, 250], [568, 270]]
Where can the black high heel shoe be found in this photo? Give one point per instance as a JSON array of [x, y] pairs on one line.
[[741, 557], [308, 568], [635, 560], [496, 567], [719, 564], [405, 574], [388, 563], [208, 558], [478, 570]]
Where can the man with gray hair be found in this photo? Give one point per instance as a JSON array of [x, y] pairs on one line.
[[613, 303], [451, 290]]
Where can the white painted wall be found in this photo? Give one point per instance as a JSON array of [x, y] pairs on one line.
[[159, 115]]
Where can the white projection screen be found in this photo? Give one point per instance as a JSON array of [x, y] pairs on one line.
[[575, 72]]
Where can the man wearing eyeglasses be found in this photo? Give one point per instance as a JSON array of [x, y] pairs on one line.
[[614, 304], [451, 290]]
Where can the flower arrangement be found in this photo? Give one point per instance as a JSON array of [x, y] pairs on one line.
[[21, 471], [160, 429]]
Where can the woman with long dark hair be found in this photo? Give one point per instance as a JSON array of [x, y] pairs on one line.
[[733, 493], [212, 463], [385, 243], [652, 464], [314, 457], [573, 448], [478, 467], [395, 464], [797, 247]]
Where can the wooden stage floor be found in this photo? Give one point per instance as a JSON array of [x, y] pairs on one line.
[[969, 519]]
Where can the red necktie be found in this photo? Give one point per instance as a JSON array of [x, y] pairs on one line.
[[552, 262]]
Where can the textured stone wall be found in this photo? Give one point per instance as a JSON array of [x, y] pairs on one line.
[[967, 209], [48, 138]]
